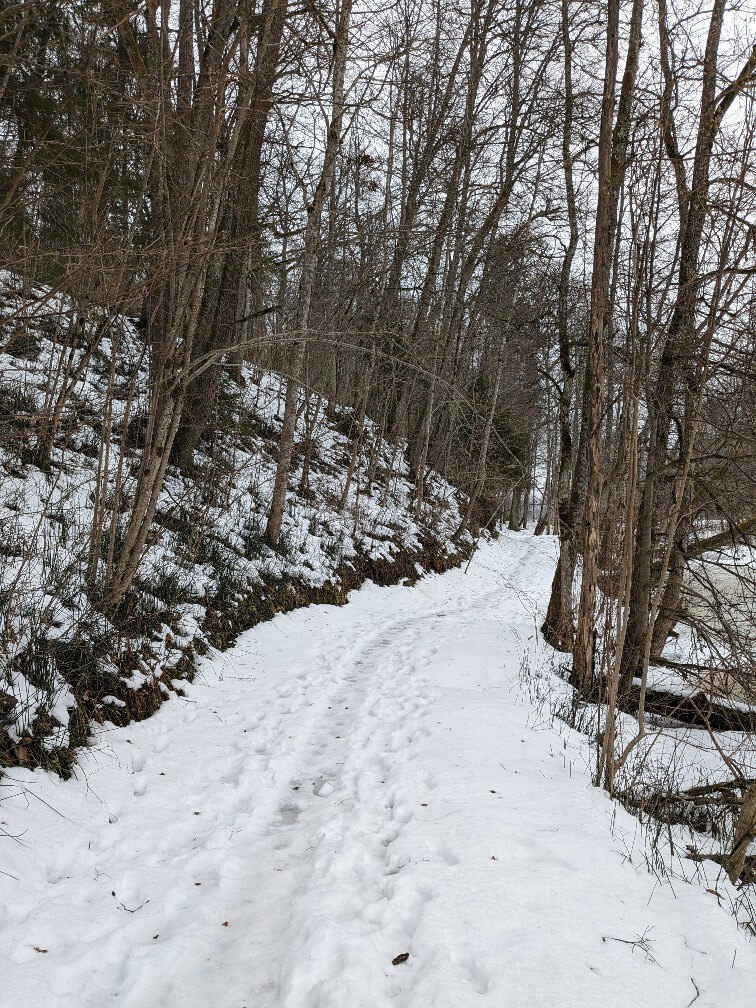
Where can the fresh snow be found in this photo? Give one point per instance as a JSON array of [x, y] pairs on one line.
[[343, 787]]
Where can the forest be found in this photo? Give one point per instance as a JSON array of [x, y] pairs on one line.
[[300, 295]]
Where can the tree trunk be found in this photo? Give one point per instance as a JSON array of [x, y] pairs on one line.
[[682, 350], [745, 834], [585, 635], [558, 627], [309, 263]]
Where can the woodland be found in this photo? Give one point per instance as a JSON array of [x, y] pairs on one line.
[[296, 293]]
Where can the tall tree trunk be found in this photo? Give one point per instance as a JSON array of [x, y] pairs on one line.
[[602, 247], [309, 263], [558, 627], [237, 281], [682, 352]]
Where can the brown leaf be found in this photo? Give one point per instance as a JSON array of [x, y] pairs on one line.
[[402, 958], [38, 949]]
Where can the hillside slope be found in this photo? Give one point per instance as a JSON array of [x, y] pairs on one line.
[[207, 572]]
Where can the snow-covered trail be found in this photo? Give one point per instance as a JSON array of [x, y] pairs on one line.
[[345, 786]]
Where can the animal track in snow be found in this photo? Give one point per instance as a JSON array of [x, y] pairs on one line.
[[473, 971], [444, 853], [289, 813]]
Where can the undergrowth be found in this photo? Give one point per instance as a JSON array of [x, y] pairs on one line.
[[684, 821]]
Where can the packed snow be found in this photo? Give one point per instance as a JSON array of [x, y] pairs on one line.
[[357, 807]]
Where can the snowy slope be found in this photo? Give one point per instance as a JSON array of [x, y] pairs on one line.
[[207, 570], [343, 787]]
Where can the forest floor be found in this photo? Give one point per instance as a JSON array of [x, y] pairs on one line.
[[356, 807]]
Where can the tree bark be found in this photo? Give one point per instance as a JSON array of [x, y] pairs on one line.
[[309, 263], [602, 246]]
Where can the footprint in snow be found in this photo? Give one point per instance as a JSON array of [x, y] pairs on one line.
[[289, 813], [444, 853], [473, 971]]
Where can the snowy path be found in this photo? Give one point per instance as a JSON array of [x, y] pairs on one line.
[[345, 786]]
